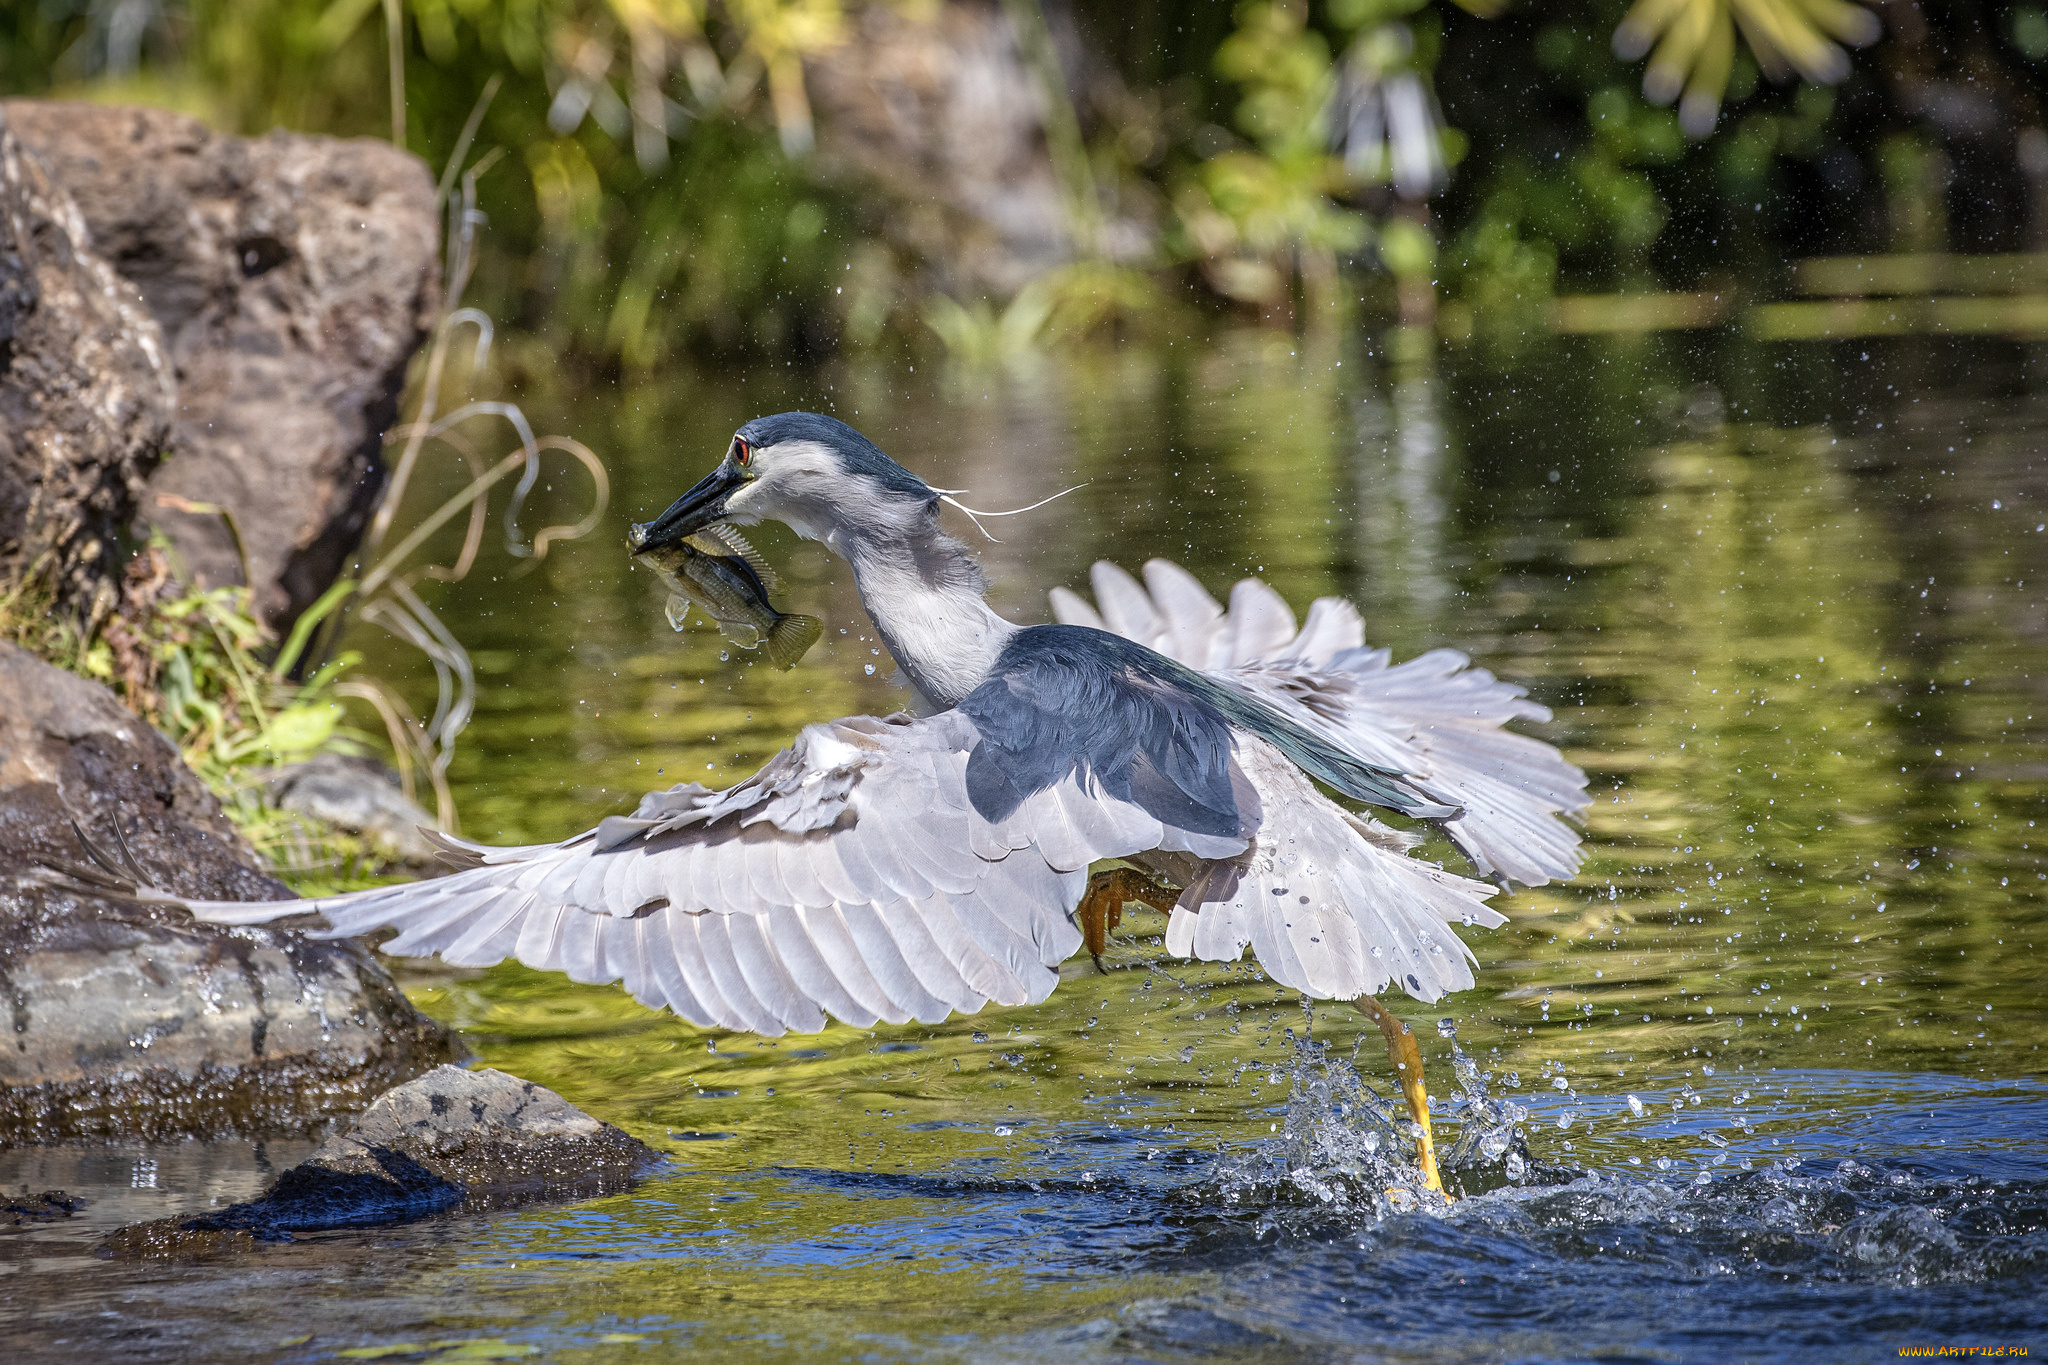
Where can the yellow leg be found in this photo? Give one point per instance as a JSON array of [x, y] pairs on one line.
[[1408, 1068], [1102, 905]]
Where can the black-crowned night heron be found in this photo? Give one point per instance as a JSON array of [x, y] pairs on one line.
[[909, 867]]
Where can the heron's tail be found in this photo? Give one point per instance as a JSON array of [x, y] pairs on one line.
[[791, 638]]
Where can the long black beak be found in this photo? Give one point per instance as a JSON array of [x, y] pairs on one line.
[[692, 512]]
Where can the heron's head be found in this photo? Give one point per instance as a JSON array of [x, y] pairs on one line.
[[814, 474]]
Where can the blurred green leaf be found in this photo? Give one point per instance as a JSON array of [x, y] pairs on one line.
[[1694, 43]]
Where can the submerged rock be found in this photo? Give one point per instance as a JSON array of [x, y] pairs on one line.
[[47, 1207], [501, 1138], [132, 1020], [86, 394], [477, 1140], [293, 277]]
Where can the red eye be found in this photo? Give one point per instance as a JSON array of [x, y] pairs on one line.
[[742, 453]]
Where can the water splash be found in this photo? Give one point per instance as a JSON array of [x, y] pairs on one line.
[[1488, 1130], [1345, 1148], [1345, 1154]]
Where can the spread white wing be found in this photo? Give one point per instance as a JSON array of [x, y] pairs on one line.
[[1435, 717], [849, 875], [1329, 902]]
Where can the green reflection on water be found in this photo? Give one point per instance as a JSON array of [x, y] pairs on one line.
[[1797, 653]]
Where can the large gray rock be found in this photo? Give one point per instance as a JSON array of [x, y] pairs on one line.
[[85, 388], [500, 1138], [133, 1020], [293, 276], [475, 1139]]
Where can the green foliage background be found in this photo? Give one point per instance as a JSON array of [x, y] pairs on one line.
[[686, 213]]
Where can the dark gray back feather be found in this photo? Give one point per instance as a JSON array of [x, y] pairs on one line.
[[1071, 699]]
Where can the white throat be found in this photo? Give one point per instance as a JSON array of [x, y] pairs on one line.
[[924, 594]]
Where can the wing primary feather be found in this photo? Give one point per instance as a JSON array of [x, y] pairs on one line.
[[748, 1013], [582, 947], [834, 939], [768, 977], [491, 934], [540, 934], [688, 952], [811, 971], [659, 949], [885, 959], [910, 929]]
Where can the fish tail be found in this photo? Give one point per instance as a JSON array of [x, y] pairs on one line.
[[791, 638]]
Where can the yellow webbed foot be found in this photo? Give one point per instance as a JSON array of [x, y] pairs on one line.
[[1102, 905], [1407, 1058]]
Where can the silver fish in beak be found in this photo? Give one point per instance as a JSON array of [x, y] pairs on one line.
[[719, 573]]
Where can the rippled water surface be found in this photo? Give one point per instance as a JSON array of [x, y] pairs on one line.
[[1764, 1083]]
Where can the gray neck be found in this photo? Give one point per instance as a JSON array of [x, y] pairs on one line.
[[923, 591]]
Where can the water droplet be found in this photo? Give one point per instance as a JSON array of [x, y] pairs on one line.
[[1515, 1165], [1447, 1028], [1560, 1083], [869, 667], [1635, 1106]]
